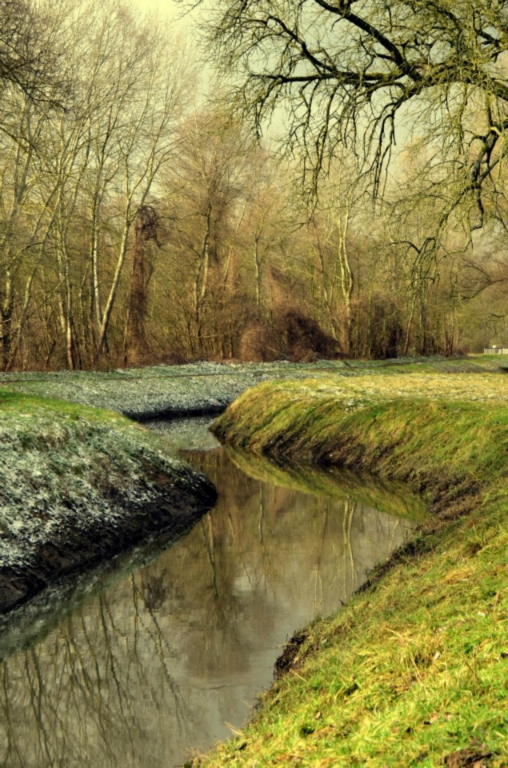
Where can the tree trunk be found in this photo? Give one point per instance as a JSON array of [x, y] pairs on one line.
[[135, 337], [346, 282]]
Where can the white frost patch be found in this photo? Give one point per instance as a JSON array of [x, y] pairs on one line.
[[61, 478], [162, 389]]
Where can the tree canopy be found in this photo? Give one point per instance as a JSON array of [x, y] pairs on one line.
[[26, 56], [344, 70]]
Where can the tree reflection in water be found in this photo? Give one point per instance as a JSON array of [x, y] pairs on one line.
[[158, 662]]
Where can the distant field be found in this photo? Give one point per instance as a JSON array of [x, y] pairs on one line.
[[209, 387]]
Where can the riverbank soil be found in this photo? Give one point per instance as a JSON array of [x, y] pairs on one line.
[[80, 485], [414, 671]]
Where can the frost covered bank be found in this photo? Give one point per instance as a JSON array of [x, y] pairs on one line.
[[168, 391], [161, 391], [79, 485]]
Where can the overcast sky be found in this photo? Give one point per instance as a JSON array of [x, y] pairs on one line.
[[166, 8]]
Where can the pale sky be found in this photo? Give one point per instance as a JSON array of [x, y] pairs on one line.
[[166, 8]]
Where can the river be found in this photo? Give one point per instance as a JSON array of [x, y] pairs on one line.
[[163, 652]]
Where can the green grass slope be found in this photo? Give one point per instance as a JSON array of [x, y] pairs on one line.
[[414, 671]]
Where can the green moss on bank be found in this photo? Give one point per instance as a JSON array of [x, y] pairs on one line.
[[15, 404], [414, 671]]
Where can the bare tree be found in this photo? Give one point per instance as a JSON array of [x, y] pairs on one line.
[[146, 230], [210, 181], [27, 55], [349, 72], [352, 65], [73, 179]]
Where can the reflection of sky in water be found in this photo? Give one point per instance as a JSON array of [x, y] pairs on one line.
[[158, 662]]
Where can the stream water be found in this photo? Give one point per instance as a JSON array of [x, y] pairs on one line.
[[156, 655]]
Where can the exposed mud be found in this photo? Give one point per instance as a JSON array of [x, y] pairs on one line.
[[289, 657]]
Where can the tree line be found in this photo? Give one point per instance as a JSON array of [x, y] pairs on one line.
[[143, 222]]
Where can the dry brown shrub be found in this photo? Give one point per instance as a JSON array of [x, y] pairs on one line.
[[259, 344], [292, 336], [306, 340]]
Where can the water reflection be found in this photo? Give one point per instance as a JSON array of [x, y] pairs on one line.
[[190, 434], [160, 661]]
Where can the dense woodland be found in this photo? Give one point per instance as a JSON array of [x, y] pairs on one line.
[[143, 219]]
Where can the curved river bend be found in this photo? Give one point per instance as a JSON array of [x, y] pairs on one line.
[[148, 662]]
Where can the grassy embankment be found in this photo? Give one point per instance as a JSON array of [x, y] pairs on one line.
[[414, 671], [80, 484]]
